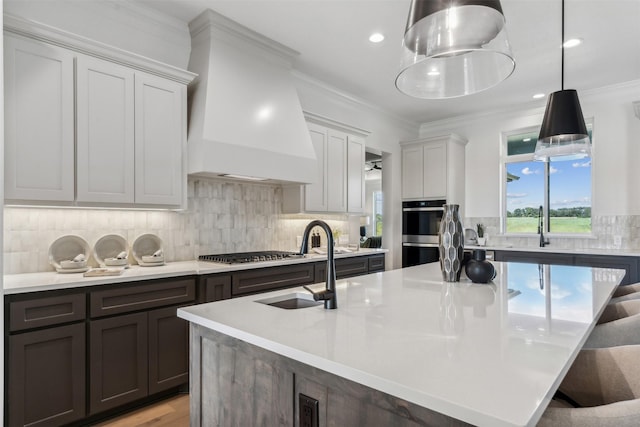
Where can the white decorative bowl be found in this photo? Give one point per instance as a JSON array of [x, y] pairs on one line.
[[66, 248], [146, 245], [110, 246]]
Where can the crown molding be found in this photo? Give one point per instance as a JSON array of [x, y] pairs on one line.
[[55, 36], [353, 100]]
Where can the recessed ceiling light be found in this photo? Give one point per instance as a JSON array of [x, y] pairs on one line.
[[572, 43], [376, 38], [433, 73], [538, 96], [526, 140]]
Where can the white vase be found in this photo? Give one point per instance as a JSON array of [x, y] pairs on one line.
[[482, 241]]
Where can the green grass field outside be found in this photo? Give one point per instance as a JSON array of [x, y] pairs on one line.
[[568, 225]]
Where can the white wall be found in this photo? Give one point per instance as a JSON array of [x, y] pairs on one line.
[[616, 150]]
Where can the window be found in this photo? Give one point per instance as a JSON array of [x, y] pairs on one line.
[[377, 213], [561, 188]]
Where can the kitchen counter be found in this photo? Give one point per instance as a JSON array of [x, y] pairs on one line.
[[552, 249], [489, 355], [46, 281]]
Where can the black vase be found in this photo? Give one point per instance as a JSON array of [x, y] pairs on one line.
[[478, 269]]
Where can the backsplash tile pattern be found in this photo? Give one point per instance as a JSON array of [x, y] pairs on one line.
[[222, 216], [604, 230]]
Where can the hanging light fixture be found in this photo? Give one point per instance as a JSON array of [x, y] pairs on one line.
[[454, 48], [563, 135]]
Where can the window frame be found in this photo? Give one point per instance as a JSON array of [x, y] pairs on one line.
[[506, 159]]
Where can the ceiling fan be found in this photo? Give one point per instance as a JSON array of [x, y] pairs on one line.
[[373, 165]]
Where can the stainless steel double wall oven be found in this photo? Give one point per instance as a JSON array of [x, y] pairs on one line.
[[420, 228]]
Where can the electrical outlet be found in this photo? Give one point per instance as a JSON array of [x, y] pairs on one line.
[[308, 411], [617, 240]]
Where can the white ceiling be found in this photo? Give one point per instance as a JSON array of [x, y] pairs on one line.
[[332, 38]]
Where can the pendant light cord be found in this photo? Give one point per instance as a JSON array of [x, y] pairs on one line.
[[562, 62]]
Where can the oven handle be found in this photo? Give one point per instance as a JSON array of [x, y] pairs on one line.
[[422, 209], [421, 245]]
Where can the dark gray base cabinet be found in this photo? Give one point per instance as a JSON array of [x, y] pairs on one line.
[[118, 361], [630, 264], [76, 356], [46, 377]]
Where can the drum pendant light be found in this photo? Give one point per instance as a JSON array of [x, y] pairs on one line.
[[563, 135], [454, 48]]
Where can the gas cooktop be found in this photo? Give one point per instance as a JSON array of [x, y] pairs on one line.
[[243, 257]]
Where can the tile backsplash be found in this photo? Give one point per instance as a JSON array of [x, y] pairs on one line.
[[605, 230], [222, 216]]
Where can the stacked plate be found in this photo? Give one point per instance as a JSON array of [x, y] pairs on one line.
[[111, 250], [69, 254], [147, 250]]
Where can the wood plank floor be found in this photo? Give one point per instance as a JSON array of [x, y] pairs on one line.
[[172, 412]]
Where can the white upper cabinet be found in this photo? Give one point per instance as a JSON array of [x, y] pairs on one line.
[[315, 195], [336, 171], [339, 185], [105, 126], [160, 136], [433, 168], [355, 174], [123, 145], [39, 121]]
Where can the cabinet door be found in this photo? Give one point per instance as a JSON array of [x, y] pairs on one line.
[[160, 136], [215, 288], [435, 170], [105, 150], [168, 350], [337, 171], [118, 361], [39, 120], [355, 174], [46, 376], [315, 196], [412, 172]]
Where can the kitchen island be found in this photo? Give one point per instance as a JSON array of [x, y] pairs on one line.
[[402, 348]]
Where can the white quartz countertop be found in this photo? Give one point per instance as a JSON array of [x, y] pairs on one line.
[[46, 281], [490, 355], [552, 249]]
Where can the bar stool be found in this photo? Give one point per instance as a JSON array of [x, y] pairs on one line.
[[618, 325], [604, 383], [625, 293]]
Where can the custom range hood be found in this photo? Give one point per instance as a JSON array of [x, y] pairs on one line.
[[245, 118]]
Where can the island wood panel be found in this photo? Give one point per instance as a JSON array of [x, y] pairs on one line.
[[234, 386], [236, 383]]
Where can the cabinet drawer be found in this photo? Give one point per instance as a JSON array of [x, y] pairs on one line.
[[265, 279], [376, 263], [345, 267], [46, 311], [142, 297]]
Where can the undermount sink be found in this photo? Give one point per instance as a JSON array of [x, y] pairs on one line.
[[291, 301]]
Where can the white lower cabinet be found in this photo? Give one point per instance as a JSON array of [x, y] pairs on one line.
[[124, 145], [339, 185]]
